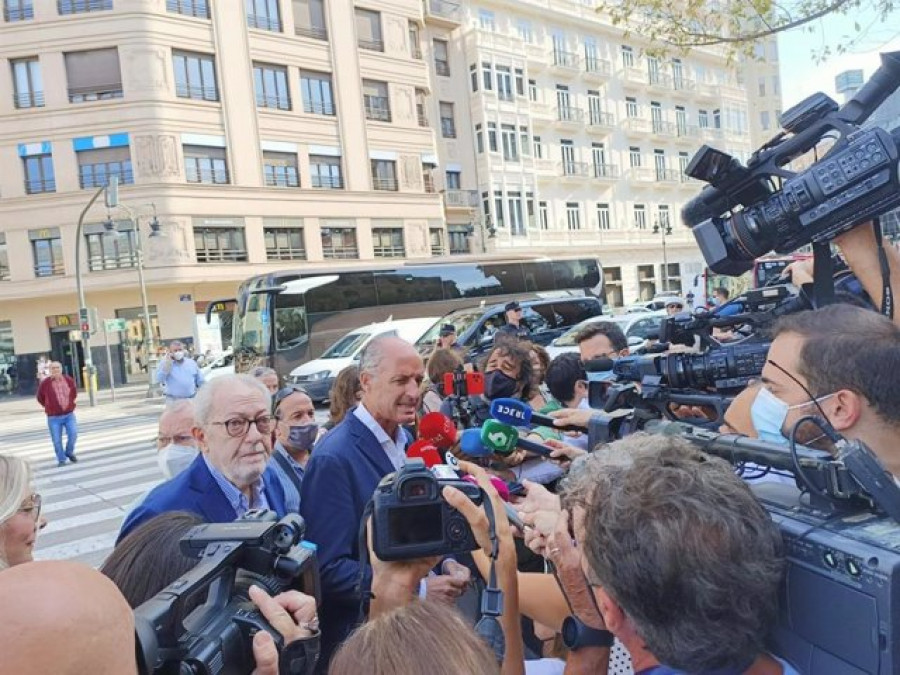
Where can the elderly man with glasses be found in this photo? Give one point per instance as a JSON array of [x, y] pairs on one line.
[[230, 476]]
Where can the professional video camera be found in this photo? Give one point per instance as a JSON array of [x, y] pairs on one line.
[[740, 215], [178, 634], [410, 518]]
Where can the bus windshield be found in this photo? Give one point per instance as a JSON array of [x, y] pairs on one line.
[[251, 331]]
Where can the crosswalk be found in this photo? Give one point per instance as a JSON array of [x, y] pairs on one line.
[[84, 503]]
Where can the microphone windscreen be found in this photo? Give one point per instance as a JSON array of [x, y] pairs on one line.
[[439, 429], [470, 444], [499, 485], [425, 451], [511, 411]]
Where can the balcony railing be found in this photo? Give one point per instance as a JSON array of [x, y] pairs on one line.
[[683, 84], [38, 185], [663, 128], [442, 67], [448, 128], [22, 12], [264, 22], [637, 125], [460, 199], [387, 184], [4, 270], [29, 99], [100, 92], [196, 8], [422, 117], [390, 251], [569, 114], [609, 171], [285, 253], [668, 175], [371, 45], [378, 108], [659, 79], [214, 177], [415, 51], [275, 101], [98, 175], [428, 180], [563, 59], [436, 250], [596, 66], [327, 182], [50, 269], [319, 107], [601, 119], [567, 168], [101, 262], [690, 131], [314, 32], [80, 6], [642, 174], [443, 10], [276, 178], [195, 92], [208, 255], [340, 252]]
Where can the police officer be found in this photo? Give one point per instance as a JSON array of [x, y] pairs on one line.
[[514, 326]]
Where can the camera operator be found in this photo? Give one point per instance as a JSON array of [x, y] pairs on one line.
[[841, 363], [601, 340]]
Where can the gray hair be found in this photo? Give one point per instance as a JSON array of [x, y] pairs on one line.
[[203, 403], [175, 343], [685, 549], [179, 407], [262, 371], [374, 352], [15, 481]]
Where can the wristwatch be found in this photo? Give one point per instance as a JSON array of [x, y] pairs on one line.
[[576, 634]]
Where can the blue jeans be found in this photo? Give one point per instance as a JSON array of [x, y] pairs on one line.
[[57, 423]]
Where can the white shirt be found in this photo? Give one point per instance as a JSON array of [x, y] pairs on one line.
[[394, 448]]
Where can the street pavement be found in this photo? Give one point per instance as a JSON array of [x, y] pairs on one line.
[[85, 503]]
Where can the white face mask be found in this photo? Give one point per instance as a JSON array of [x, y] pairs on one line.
[[178, 355], [174, 458]]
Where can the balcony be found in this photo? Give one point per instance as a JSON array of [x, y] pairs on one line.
[[442, 13], [658, 80], [96, 93], [460, 199], [378, 108], [262, 22], [711, 134], [340, 252], [664, 129], [567, 169], [319, 107], [683, 86], [23, 12], [38, 185], [206, 176], [314, 32], [385, 184], [667, 177], [601, 122], [279, 176], [564, 63], [273, 101], [569, 115], [29, 99], [687, 133], [184, 90], [636, 126], [326, 182], [605, 172], [597, 69], [537, 57], [643, 175], [428, 180], [54, 268], [98, 175], [65, 7], [371, 45], [633, 77]]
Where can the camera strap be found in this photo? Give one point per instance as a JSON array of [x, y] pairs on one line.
[[823, 275], [488, 626], [364, 581], [887, 295]]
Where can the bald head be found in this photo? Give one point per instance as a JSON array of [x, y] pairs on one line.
[[390, 376], [64, 618]]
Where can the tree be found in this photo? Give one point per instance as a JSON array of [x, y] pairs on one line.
[[734, 25]]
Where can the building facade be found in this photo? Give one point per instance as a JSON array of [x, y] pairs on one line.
[[256, 135]]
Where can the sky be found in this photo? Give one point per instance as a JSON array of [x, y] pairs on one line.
[[801, 75]]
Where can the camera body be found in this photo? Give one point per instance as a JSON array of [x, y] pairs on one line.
[[204, 622], [411, 519]]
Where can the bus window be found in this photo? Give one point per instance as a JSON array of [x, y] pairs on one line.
[[402, 286], [466, 281], [539, 276], [576, 274], [572, 312], [250, 335], [290, 320], [510, 277], [352, 290]]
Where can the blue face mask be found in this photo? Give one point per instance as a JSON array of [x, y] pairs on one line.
[[769, 413], [303, 437]]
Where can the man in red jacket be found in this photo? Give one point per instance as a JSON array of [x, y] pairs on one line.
[[57, 395]]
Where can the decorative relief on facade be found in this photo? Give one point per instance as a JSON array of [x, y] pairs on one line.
[[156, 156], [411, 172]]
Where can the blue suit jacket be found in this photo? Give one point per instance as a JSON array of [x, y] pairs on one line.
[[195, 490], [343, 472]]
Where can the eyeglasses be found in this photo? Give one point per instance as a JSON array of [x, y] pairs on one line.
[[180, 439], [35, 508], [239, 426]]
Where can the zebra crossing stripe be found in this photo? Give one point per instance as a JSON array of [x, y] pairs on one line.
[[133, 491], [81, 547]]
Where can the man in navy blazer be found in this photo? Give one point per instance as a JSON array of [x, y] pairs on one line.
[[343, 472], [229, 476]]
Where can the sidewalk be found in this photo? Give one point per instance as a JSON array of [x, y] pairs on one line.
[[129, 396]]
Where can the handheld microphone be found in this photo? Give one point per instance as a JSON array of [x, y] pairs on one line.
[[438, 429], [499, 485], [425, 451], [470, 444], [517, 413], [503, 439]]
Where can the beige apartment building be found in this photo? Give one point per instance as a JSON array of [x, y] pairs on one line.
[[255, 135]]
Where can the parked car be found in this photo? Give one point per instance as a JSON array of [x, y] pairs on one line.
[[221, 365], [657, 303], [317, 376], [637, 327], [546, 319]]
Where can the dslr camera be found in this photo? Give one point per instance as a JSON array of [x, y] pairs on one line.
[[410, 518], [204, 622]]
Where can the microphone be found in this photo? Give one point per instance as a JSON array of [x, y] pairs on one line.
[[517, 413], [499, 485], [425, 451], [600, 365], [438, 429], [470, 444], [503, 439]]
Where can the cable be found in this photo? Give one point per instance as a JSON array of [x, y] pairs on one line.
[[800, 471]]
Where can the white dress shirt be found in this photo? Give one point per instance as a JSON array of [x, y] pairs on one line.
[[394, 448]]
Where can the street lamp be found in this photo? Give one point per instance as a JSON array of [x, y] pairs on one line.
[[155, 231], [664, 230]]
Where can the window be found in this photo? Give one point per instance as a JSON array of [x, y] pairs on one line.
[[524, 143], [448, 125], [436, 239], [317, 95], [46, 248], [492, 136], [80, 6], [479, 139], [453, 180], [634, 157], [653, 74], [595, 108], [564, 111], [573, 216], [538, 147], [473, 76], [384, 174], [776, 85], [762, 85], [514, 204], [631, 107], [325, 172], [567, 152], [504, 83], [110, 250], [717, 118], [656, 117], [764, 120], [263, 14], [683, 160], [680, 120], [602, 216], [591, 60], [195, 8], [459, 239], [526, 33], [377, 103], [309, 19], [678, 74], [421, 116], [4, 258], [195, 76], [388, 242], [441, 58], [271, 86], [284, 243], [339, 243], [703, 119], [627, 56], [220, 244], [659, 161], [532, 90], [29, 87], [662, 220], [543, 215], [96, 166], [280, 169], [520, 82], [510, 145], [205, 165], [428, 178], [18, 10], [640, 216], [93, 75], [499, 219], [598, 155], [368, 29], [487, 76], [39, 176], [486, 20]]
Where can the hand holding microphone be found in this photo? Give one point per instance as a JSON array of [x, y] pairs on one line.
[[504, 439], [517, 413]]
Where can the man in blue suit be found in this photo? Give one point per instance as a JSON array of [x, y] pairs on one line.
[[229, 476], [343, 472]]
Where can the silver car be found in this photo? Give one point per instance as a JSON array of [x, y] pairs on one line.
[[637, 328]]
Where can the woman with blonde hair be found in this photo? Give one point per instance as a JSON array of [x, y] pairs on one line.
[[20, 513]]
